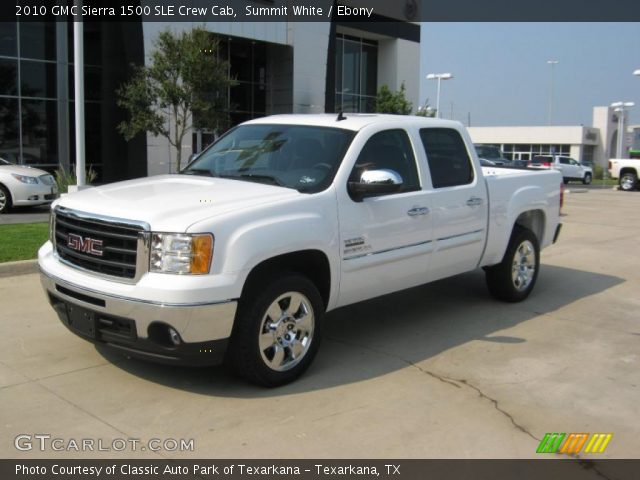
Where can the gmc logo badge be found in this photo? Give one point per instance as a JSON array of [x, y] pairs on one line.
[[84, 244]]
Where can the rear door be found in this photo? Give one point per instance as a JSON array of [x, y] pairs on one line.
[[459, 200]]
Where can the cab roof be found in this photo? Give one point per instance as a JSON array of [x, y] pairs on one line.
[[354, 121]]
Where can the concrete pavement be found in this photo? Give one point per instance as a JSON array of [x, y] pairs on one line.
[[439, 371]]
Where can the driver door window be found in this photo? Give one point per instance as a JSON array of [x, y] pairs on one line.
[[389, 150]]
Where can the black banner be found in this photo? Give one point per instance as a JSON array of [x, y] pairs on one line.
[[322, 469], [321, 11]]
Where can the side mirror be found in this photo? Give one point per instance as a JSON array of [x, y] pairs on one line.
[[375, 182]]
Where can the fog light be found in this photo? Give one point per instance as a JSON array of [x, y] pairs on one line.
[[33, 197], [173, 335]]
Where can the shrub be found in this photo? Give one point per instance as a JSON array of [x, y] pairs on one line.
[[64, 179]]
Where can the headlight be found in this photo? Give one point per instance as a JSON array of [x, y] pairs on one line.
[[25, 179], [181, 253]]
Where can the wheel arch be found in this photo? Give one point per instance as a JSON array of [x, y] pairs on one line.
[[313, 264], [626, 170], [533, 220]]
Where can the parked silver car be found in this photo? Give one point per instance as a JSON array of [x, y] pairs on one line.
[[24, 186]]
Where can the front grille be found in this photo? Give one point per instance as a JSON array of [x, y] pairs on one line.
[[119, 244]]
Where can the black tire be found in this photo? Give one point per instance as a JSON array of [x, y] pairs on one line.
[[500, 278], [628, 182], [258, 364], [587, 179], [5, 199]]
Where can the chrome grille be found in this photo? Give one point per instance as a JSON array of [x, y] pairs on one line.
[[119, 243]]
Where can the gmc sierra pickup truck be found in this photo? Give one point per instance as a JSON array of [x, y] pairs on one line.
[[282, 219], [626, 171]]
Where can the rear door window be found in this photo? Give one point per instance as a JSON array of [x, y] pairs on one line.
[[447, 156]]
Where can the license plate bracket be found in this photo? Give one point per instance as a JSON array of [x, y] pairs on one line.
[[81, 320]]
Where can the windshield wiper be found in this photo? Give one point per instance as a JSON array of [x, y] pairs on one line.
[[197, 171], [254, 177]]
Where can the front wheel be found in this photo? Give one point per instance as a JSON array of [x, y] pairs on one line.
[[277, 330], [5, 200], [587, 179], [513, 279], [628, 182]]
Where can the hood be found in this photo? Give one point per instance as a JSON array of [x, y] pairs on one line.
[[20, 170], [173, 202]]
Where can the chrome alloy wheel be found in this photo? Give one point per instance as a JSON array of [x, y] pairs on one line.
[[627, 182], [3, 200], [524, 266], [286, 331]]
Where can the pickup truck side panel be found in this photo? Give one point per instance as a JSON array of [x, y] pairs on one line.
[[510, 204], [306, 223]]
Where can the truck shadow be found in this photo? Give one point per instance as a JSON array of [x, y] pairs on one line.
[[389, 333]]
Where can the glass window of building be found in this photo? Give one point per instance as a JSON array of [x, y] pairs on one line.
[[8, 39], [38, 40], [356, 74]]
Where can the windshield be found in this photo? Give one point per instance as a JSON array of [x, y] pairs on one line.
[[293, 156], [4, 162]]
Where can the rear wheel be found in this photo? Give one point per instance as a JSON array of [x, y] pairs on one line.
[[513, 279], [587, 179], [628, 182], [277, 330], [5, 199]]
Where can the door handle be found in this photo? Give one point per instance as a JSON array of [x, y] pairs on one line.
[[415, 211], [475, 201]]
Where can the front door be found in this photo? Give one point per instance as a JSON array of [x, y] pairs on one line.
[[386, 240]]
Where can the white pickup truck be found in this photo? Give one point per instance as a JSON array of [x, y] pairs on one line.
[[284, 218], [626, 171]]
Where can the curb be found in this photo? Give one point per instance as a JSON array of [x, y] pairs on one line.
[[23, 267]]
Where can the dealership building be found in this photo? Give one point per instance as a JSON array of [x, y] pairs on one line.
[[594, 144], [279, 67]]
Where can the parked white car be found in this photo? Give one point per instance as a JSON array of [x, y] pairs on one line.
[[571, 169], [280, 220], [25, 186]]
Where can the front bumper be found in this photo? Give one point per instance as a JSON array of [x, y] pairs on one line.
[[141, 328]]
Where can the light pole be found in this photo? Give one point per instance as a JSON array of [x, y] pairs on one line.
[[439, 77], [620, 109], [553, 63]]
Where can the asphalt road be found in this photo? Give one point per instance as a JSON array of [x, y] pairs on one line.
[[26, 215], [438, 371]]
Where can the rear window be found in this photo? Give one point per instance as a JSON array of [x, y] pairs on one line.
[[541, 159], [447, 156]]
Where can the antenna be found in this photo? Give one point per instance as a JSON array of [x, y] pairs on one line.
[[340, 117]]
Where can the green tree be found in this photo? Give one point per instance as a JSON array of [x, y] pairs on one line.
[[393, 102], [184, 86]]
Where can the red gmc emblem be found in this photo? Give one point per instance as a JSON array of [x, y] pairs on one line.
[[84, 244]]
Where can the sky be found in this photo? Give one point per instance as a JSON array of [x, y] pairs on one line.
[[501, 75]]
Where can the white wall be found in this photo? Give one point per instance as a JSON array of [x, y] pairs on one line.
[[532, 135], [398, 62], [310, 41]]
